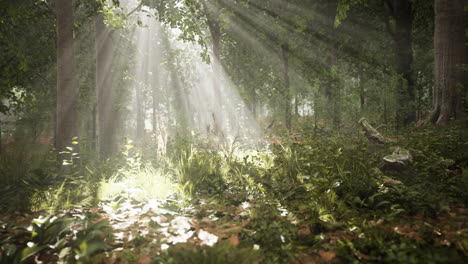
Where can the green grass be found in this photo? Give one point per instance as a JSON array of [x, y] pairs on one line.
[[143, 184]]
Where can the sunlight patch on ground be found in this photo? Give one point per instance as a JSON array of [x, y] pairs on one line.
[[145, 184]]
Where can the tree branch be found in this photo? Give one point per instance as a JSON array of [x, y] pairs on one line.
[[136, 9]]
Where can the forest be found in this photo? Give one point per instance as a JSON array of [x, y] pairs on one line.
[[233, 131]]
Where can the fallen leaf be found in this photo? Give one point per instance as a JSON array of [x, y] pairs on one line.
[[307, 259], [327, 255], [206, 220], [144, 260], [234, 240], [304, 231]]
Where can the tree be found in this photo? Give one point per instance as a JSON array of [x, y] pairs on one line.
[[67, 87], [450, 54], [402, 13], [331, 87], [106, 119]]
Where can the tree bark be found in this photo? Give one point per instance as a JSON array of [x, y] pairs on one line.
[[296, 104], [403, 15], [1, 145], [155, 96], [316, 108], [140, 119], [67, 87], [106, 136], [331, 88], [450, 52], [213, 21], [156, 58], [362, 92], [286, 86], [254, 103]]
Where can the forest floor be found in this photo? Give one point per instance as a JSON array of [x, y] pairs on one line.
[[312, 201], [217, 231]]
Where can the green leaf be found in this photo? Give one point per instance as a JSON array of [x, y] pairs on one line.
[[31, 251]]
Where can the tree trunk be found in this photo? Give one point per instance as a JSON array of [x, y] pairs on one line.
[[402, 13], [212, 15], [362, 93], [296, 104], [254, 102], [286, 84], [316, 108], [450, 53], [156, 58], [1, 146], [67, 87], [140, 119], [106, 139], [155, 95], [331, 88], [94, 128], [216, 64]]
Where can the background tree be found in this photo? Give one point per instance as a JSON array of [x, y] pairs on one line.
[[106, 119], [67, 88]]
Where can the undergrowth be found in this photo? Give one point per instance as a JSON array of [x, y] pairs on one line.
[[315, 200]]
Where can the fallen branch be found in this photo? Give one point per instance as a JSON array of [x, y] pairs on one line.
[[371, 133]]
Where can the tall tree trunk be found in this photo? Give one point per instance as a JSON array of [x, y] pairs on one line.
[[140, 118], [286, 84], [450, 52], [212, 15], [316, 109], [296, 104], [216, 64], [105, 115], [1, 146], [331, 87], [403, 43], [254, 102], [362, 93], [94, 128], [155, 97], [156, 58], [253, 90], [67, 87]]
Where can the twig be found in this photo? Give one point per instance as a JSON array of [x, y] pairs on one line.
[[136, 9]]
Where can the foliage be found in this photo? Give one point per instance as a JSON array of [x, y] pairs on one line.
[[200, 172], [321, 198], [59, 239]]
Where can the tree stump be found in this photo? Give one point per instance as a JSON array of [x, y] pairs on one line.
[[398, 160]]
